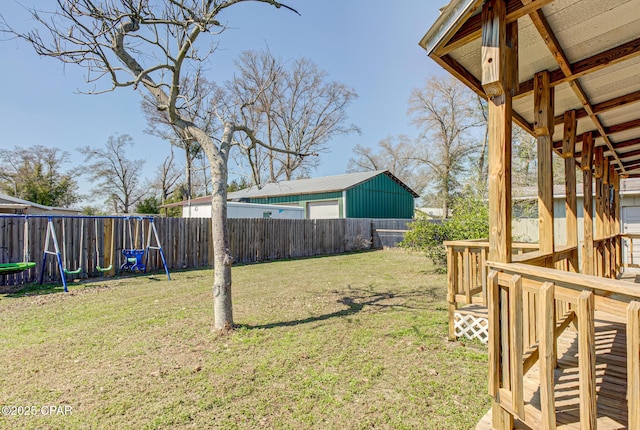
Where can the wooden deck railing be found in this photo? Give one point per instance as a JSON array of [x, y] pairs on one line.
[[467, 273], [607, 256], [517, 343], [629, 240]]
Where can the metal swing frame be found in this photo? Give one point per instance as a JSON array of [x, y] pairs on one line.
[[138, 255]]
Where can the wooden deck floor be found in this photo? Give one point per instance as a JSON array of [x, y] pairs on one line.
[[611, 379]]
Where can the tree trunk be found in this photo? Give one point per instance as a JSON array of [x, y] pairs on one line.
[[222, 259], [188, 174]]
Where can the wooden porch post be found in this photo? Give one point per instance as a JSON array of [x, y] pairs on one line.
[[543, 127], [600, 204], [497, 84], [617, 248], [571, 205], [499, 76], [586, 164], [608, 220]]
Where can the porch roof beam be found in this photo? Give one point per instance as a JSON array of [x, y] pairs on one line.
[[544, 29], [588, 65], [605, 106], [456, 69], [618, 128], [472, 28]]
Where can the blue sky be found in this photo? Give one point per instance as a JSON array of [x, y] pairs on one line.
[[370, 45]]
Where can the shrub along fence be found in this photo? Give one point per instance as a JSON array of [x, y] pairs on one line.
[[87, 242]]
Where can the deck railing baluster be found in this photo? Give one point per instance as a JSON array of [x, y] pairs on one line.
[[633, 364]]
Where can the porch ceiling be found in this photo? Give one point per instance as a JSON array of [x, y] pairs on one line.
[[591, 49]]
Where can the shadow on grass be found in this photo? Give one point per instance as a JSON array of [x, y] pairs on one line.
[[31, 290], [355, 303], [35, 289]]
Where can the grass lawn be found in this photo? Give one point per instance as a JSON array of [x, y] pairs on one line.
[[355, 341]]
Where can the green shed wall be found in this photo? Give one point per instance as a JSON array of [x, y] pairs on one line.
[[379, 197], [302, 200]]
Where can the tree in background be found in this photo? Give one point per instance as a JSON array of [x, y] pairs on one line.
[[34, 174], [138, 45], [114, 174], [166, 180], [150, 205], [395, 154], [199, 108], [445, 113], [238, 184], [297, 111]]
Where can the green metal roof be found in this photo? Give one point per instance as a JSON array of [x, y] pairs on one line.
[[315, 185]]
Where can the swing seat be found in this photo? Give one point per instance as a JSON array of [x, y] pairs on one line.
[[104, 269], [134, 260], [73, 272], [11, 268]]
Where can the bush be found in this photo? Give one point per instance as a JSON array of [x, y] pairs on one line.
[[470, 220]]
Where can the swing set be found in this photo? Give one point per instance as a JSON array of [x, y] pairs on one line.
[[25, 264], [136, 257]]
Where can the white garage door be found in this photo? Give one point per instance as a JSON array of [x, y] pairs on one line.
[[323, 210], [631, 225]]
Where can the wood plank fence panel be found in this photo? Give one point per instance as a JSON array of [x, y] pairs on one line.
[[185, 241]]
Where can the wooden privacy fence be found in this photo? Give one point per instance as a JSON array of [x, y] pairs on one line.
[[185, 241], [387, 233]]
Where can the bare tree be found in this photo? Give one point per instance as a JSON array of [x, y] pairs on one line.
[[139, 44], [483, 172], [395, 154], [35, 174], [200, 92], [115, 175], [299, 113], [444, 111], [167, 178]]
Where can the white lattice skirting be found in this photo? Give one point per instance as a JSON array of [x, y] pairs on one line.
[[471, 327]]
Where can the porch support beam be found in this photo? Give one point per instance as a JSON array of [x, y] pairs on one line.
[[543, 128], [571, 201], [499, 54], [608, 220], [600, 209], [586, 164], [617, 258], [496, 80]]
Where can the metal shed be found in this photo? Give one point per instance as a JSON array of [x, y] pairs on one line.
[[376, 194]]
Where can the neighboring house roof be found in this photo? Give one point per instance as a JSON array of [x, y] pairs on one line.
[[325, 184], [9, 202]]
